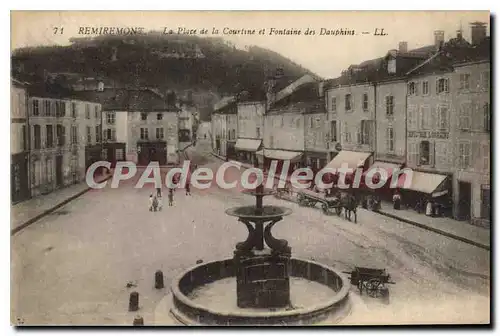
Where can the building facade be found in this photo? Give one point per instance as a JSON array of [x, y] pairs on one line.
[[65, 139], [225, 127], [470, 91], [250, 120], [19, 143]]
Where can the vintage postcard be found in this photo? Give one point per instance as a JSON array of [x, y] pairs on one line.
[[250, 168]]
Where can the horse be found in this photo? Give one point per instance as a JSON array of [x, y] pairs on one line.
[[350, 204]]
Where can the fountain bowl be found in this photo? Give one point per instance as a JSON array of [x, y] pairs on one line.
[[189, 312], [268, 212]]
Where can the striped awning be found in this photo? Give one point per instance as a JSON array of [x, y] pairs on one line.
[[352, 159], [280, 154], [426, 183], [249, 145]]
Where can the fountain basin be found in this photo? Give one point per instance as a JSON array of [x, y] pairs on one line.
[[192, 312], [267, 213]]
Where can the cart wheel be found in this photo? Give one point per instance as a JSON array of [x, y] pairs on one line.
[[373, 287], [325, 209], [338, 210]]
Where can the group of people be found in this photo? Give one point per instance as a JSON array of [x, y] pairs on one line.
[[156, 201]]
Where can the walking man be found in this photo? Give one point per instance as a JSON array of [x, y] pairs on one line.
[[151, 202], [158, 192], [188, 188], [160, 202], [170, 197]]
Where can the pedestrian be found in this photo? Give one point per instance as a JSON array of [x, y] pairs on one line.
[[396, 200], [188, 188], [158, 192], [160, 202], [151, 202], [155, 203], [170, 197]]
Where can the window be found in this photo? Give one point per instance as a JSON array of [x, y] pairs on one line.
[[333, 106], [348, 102], [258, 132], [486, 117], [159, 116], [46, 108], [311, 122], [425, 153], [60, 135], [443, 156], [464, 81], [485, 148], [74, 135], [111, 134], [49, 166], [98, 133], [413, 154], [73, 110], [442, 85], [89, 135], [391, 66], [234, 134], [425, 88], [412, 89], [485, 202], [159, 133], [425, 118], [389, 105], [49, 136], [37, 173], [282, 121], [144, 133], [144, 116], [390, 140], [333, 130], [412, 118], [37, 137], [464, 155], [110, 118], [485, 80], [443, 122], [347, 135], [365, 101], [365, 132], [297, 123], [60, 108], [23, 138], [96, 111], [464, 119], [271, 141], [36, 110], [87, 111]]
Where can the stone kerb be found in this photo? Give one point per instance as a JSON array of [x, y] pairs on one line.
[[202, 274]]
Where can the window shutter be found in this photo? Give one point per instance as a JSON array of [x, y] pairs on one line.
[[432, 158], [416, 88], [476, 155]]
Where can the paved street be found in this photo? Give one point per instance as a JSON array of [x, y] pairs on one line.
[[73, 266]]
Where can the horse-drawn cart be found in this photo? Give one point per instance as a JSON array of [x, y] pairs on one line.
[[329, 205], [372, 280]]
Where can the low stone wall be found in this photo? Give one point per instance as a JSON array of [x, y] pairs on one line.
[[212, 271]]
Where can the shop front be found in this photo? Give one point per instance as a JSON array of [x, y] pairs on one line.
[[346, 159], [428, 193], [388, 172], [281, 156], [246, 149]]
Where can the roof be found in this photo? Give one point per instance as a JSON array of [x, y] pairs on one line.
[[140, 100], [17, 82], [311, 107], [306, 81], [224, 103]]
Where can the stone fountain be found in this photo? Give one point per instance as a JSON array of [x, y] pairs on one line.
[[267, 278]]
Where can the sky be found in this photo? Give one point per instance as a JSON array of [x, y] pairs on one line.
[[325, 55]]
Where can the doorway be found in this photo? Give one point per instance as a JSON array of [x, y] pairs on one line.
[[464, 201], [59, 171]]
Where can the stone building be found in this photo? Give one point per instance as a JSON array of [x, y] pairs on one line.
[[251, 112], [449, 124], [65, 139], [19, 143], [225, 126]]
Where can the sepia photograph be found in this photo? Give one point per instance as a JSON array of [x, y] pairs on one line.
[[250, 168]]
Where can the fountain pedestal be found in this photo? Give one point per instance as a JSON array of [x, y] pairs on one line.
[[262, 273]]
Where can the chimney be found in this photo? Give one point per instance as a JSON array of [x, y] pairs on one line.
[[478, 32], [438, 39], [321, 88], [403, 47]]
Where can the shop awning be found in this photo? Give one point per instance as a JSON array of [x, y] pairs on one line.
[[427, 183], [352, 159], [249, 145], [388, 167], [280, 154]]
